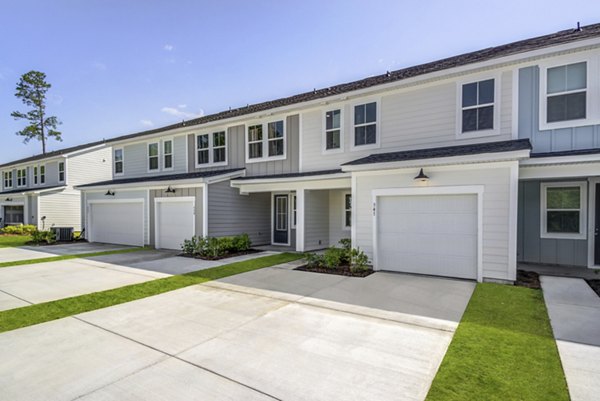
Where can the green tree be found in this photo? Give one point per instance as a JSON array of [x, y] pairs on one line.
[[32, 89]]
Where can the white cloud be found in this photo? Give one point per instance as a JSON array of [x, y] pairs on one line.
[[177, 112], [182, 106], [168, 47], [99, 66], [147, 123]]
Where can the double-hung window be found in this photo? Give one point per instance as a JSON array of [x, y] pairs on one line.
[[8, 179], [35, 175], [42, 174], [153, 157], [211, 148], [333, 129], [219, 146], [365, 124], [477, 112], [266, 141], [203, 149], [119, 162], [168, 154], [347, 210], [61, 172], [566, 92], [563, 207], [21, 177]]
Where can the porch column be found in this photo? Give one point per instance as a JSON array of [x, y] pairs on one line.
[[26, 215], [300, 220]]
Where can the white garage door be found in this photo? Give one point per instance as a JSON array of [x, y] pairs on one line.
[[175, 222], [428, 235], [117, 223]]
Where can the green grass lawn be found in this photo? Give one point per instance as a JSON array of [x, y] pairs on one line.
[[10, 241], [67, 257], [503, 350], [29, 315]]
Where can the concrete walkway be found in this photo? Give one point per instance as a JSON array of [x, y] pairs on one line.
[[574, 310], [227, 342], [38, 252]]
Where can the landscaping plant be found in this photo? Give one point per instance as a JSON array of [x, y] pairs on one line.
[[19, 229], [40, 237], [216, 247]]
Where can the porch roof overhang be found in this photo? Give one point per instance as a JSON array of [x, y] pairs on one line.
[[313, 180], [489, 152], [175, 180], [33, 191]]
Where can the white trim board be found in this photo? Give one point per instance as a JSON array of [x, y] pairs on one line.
[[442, 190]]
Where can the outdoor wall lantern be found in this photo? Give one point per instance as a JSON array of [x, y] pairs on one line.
[[422, 177], [109, 193], [9, 199], [170, 190]]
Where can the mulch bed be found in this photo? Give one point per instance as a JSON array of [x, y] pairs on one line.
[[528, 279], [229, 255], [595, 284], [340, 271]]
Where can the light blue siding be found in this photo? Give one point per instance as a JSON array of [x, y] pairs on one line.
[[531, 248], [549, 140]]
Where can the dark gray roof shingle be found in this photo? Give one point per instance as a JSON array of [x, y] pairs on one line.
[[447, 151], [53, 153], [159, 178]]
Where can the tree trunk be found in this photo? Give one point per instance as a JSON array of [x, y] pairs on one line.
[[42, 131]]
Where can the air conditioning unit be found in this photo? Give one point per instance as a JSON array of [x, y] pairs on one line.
[[63, 233]]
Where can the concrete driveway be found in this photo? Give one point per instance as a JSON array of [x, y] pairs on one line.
[[38, 252], [223, 340]]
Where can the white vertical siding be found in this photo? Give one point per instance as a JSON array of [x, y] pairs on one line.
[[496, 203]]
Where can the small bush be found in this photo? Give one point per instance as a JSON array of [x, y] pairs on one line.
[[242, 242], [358, 260], [215, 247], [315, 260], [189, 246], [41, 237], [332, 257], [19, 229], [345, 256]]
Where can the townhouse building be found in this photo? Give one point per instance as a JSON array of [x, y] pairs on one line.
[[461, 167]]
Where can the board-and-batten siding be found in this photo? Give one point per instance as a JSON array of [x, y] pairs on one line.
[[236, 150], [418, 118], [195, 192], [230, 213], [554, 140], [119, 195], [531, 248], [136, 158], [316, 218], [496, 202]]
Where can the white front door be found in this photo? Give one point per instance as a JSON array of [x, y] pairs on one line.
[[175, 221], [430, 234], [115, 222]]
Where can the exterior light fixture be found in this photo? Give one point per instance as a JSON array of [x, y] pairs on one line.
[[170, 190], [8, 199], [422, 176], [109, 193]]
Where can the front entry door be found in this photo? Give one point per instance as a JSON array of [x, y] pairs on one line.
[[13, 215], [597, 228], [280, 220]]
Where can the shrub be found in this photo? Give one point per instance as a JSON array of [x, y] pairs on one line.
[[40, 237], [315, 260], [242, 242], [358, 260], [216, 247], [346, 250], [332, 257], [19, 229], [189, 246]]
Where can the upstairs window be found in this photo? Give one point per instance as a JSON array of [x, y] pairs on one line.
[[119, 164], [566, 92], [61, 172], [563, 210], [153, 156], [21, 177], [333, 129], [211, 149], [478, 106], [202, 147], [8, 179], [255, 141], [219, 145], [365, 124], [35, 175], [168, 154], [276, 138], [42, 174], [347, 210]]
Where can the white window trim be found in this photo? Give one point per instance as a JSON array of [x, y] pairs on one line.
[[210, 148], [64, 171], [122, 161], [163, 154], [157, 143], [326, 151], [4, 179], [582, 210], [344, 210], [377, 144], [265, 141], [592, 114], [294, 211], [497, 101], [22, 178]]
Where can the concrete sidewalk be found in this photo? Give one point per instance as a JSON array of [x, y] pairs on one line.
[[47, 251], [574, 310]]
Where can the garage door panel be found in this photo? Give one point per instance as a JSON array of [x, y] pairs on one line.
[[117, 223], [428, 234]]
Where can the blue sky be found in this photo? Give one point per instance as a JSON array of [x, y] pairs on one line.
[[125, 66]]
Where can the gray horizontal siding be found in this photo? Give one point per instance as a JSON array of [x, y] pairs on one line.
[[230, 213], [160, 193], [556, 140], [136, 159], [531, 248]]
